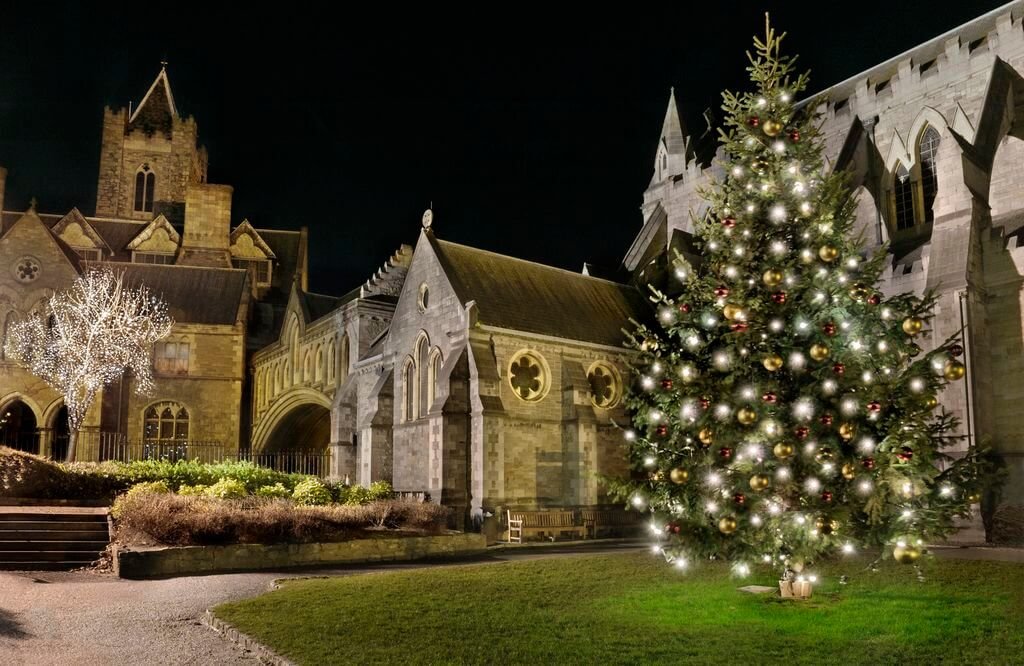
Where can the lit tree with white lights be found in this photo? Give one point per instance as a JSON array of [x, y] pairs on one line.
[[784, 409], [87, 337]]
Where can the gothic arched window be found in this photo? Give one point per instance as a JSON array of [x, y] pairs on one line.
[[165, 422], [929, 173], [409, 390], [903, 198], [433, 372], [422, 349], [145, 188]]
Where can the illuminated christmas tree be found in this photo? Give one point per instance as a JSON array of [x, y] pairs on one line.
[[784, 410]]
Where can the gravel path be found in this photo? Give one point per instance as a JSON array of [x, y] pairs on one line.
[[83, 618]]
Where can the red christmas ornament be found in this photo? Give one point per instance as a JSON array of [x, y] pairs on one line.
[[956, 350], [684, 308], [839, 368], [666, 384], [739, 498], [725, 452], [868, 463], [705, 403], [672, 527], [906, 454], [721, 292], [739, 327], [753, 121], [662, 430], [829, 328], [729, 222], [874, 406], [874, 299], [827, 419], [801, 432], [770, 397], [794, 135], [826, 495], [779, 297]]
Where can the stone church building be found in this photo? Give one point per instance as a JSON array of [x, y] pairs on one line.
[[491, 382]]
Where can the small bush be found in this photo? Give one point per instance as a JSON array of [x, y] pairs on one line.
[[227, 489], [144, 489], [276, 491], [380, 490], [311, 492], [198, 489]]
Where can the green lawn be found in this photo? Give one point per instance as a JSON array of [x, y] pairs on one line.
[[633, 608]]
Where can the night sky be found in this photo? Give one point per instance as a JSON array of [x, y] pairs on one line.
[[532, 133]]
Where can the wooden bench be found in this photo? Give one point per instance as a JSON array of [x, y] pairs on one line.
[[550, 522], [611, 520]]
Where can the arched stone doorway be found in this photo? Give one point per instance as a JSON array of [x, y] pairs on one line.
[[300, 441], [61, 435], [18, 427]]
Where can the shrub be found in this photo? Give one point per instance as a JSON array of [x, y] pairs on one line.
[[145, 489], [380, 490], [26, 475], [311, 492], [197, 489], [276, 491], [227, 489], [182, 520]]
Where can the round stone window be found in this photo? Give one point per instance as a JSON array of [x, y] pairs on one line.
[[423, 299], [605, 385], [26, 269], [528, 376]]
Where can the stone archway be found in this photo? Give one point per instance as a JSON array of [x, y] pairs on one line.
[[305, 427], [60, 434], [19, 428]]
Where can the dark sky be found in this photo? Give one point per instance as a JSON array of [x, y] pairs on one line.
[[532, 133]]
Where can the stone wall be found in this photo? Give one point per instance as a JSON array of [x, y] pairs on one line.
[[192, 560]]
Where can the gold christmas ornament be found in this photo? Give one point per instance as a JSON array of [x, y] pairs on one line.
[[954, 370], [859, 292], [906, 554], [828, 253], [826, 525], [772, 277], [772, 362], [931, 402], [974, 498], [731, 311], [913, 325], [759, 482], [824, 454], [847, 431], [772, 127], [819, 352], [679, 476], [706, 436], [649, 344], [746, 416], [657, 475], [783, 450], [849, 471], [727, 525]]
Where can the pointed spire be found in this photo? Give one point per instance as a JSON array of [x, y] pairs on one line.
[[157, 108], [672, 131]]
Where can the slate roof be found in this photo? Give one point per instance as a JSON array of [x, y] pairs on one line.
[[525, 296], [156, 111], [194, 295]]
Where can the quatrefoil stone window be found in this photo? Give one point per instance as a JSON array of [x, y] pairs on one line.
[[528, 376], [605, 387], [26, 269]]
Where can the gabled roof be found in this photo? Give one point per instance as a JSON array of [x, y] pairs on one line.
[[525, 296], [156, 112], [74, 216], [30, 217], [193, 295], [246, 229], [158, 222]]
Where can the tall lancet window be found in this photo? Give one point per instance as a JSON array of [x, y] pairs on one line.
[[145, 188], [903, 198], [929, 173]]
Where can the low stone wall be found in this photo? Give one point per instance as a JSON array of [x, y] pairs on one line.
[[190, 560]]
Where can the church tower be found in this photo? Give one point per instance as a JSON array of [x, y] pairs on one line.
[[674, 150], [148, 158]]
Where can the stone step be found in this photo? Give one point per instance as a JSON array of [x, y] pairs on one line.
[[31, 556], [52, 526], [63, 565], [56, 516], [83, 534], [51, 546]]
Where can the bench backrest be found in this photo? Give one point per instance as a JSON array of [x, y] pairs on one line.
[[544, 518]]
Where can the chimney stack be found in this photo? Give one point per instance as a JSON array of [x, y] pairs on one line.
[[206, 241]]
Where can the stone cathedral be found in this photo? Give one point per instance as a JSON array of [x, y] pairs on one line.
[[495, 383]]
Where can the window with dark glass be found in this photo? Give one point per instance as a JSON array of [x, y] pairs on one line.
[[145, 188], [929, 173], [259, 267], [171, 358], [903, 197], [166, 422]]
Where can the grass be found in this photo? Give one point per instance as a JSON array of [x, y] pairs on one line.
[[633, 608]]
